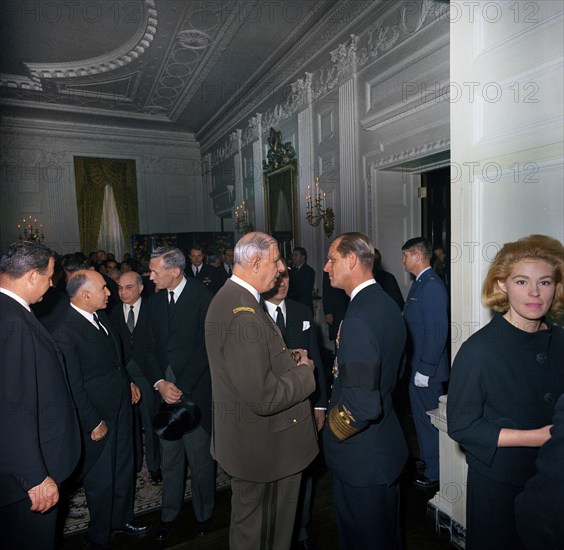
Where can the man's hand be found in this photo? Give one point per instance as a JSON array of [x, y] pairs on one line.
[[301, 358], [44, 496], [169, 392], [135, 393], [99, 432], [319, 415]]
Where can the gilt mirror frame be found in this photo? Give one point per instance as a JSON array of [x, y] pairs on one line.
[[281, 192]]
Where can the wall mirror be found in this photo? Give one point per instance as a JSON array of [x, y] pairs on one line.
[[280, 192]]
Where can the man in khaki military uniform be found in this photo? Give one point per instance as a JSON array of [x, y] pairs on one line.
[[263, 429]]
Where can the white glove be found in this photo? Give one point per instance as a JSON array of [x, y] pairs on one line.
[[420, 380]]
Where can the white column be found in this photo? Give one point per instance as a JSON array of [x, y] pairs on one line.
[[306, 175], [348, 150], [260, 221]]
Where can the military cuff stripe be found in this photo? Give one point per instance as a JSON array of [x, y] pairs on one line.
[[340, 424]]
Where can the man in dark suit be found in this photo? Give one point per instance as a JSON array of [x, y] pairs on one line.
[[296, 324], [386, 280], [335, 302], [207, 274], [226, 267], [39, 437], [426, 316], [264, 434], [302, 278], [103, 396], [363, 440], [178, 313], [539, 524], [134, 327]]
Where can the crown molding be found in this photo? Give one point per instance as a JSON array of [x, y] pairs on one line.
[[38, 127]]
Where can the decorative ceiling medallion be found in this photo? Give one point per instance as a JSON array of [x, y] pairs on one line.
[[120, 57], [193, 39]]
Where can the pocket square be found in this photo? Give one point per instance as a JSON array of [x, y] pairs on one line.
[[306, 325]]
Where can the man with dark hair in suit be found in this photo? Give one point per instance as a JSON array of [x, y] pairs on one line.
[[302, 278], [103, 396], [296, 324], [386, 280], [207, 274], [134, 328], [363, 440], [264, 435], [178, 313], [39, 437], [426, 317]]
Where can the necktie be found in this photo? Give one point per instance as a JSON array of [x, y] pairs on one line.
[[197, 271], [280, 321], [229, 271], [100, 326], [171, 304], [130, 319]]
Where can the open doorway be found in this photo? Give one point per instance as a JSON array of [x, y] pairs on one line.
[[435, 217]]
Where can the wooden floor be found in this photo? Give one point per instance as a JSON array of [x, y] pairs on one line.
[[418, 530]]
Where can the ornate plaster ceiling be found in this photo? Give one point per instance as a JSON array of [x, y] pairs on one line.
[[159, 64]]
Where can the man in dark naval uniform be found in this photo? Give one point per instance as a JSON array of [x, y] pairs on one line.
[[363, 440]]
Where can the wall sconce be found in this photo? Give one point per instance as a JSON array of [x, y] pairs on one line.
[[316, 210], [242, 224], [30, 232]]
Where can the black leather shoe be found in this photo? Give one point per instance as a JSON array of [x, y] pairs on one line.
[[424, 482], [203, 527], [163, 530], [134, 529], [156, 477]]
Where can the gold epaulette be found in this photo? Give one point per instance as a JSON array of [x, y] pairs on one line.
[[340, 422], [242, 308]]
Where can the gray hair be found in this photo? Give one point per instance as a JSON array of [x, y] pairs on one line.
[[172, 257], [138, 278], [251, 245], [76, 281]]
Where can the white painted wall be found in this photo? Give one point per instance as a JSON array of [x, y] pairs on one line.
[[507, 166], [37, 178]]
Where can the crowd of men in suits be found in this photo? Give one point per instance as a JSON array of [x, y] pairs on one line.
[[237, 340]]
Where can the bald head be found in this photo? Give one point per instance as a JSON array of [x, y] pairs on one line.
[[87, 290]]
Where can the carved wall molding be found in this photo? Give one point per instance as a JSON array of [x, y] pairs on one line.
[[412, 154], [343, 15], [253, 130]]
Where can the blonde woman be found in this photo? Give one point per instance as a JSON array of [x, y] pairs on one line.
[[504, 384]]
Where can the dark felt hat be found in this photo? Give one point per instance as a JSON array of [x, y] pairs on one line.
[[173, 421]]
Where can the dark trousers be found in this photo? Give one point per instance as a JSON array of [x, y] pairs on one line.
[[147, 410], [367, 517], [423, 400], [263, 514], [490, 514], [21, 529], [196, 447], [110, 483]]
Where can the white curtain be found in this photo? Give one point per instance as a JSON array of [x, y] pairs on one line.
[[111, 237]]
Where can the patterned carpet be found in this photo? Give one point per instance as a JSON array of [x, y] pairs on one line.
[[147, 498]]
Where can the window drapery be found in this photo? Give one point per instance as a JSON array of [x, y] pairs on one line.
[[92, 174]]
